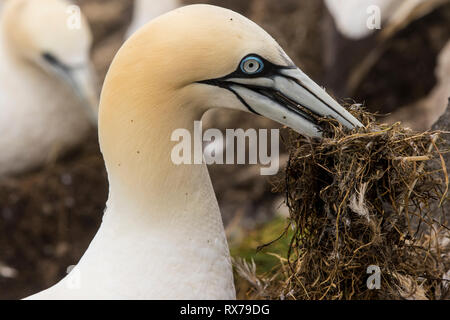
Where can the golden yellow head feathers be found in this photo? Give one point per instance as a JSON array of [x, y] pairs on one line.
[[199, 42]]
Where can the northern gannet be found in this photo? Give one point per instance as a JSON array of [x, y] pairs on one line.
[[359, 35], [162, 235], [145, 10], [48, 89]]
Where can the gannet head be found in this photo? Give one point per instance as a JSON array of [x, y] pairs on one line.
[[54, 36], [215, 58]]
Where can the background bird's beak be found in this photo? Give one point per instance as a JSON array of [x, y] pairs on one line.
[[83, 80], [291, 98]]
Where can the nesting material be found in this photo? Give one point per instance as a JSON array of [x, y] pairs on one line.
[[370, 197]]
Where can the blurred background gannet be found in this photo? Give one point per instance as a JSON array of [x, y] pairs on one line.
[[162, 235], [351, 16], [48, 89], [355, 18], [145, 10]]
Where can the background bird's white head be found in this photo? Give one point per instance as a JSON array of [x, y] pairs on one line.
[[38, 27], [55, 36]]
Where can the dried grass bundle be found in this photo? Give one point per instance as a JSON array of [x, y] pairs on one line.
[[371, 197]]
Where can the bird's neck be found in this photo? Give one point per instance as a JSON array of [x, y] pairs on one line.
[[162, 229]]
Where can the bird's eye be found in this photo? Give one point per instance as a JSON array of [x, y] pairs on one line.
[[252, 65]]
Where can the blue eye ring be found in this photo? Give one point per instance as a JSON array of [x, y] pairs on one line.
[[252, 65]]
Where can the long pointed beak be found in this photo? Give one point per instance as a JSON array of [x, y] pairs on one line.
[[84, 82], [291, 98]]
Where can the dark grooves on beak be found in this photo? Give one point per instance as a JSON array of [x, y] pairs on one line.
[[291, 105], [317, 97], [282, 100], [243, 102], [273, 95]]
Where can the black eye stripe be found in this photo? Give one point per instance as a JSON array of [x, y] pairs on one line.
[[55, 62], [270, 69], [50, 58]]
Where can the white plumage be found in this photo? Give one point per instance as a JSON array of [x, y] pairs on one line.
[[352, 16], [44, 109]]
